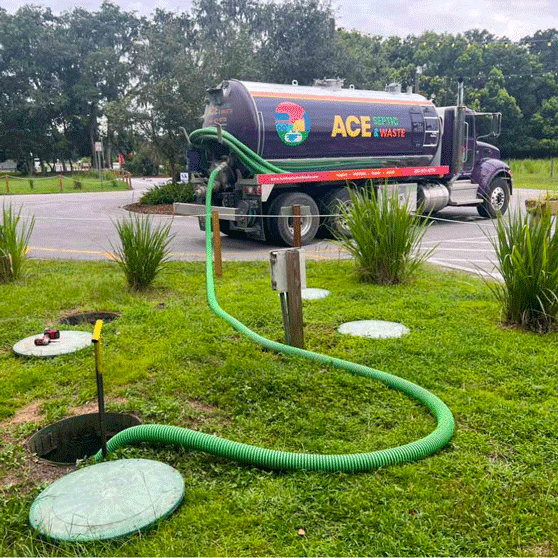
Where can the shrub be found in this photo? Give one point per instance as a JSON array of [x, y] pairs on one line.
[[141, 165], [168, 193], [14, 241], [383, 237], [144, 250], [527, 252]]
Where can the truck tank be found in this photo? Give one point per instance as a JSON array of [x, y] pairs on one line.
[[302, 128]]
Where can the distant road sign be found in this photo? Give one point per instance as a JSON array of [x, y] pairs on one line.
[[98, 146]]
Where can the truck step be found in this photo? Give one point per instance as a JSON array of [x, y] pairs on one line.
[[472, 201], [464, 192]]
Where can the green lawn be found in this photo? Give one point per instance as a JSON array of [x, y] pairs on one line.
[[539, 174], [51, 185], [492, 491]]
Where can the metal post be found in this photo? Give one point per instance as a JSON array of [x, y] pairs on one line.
[[100, 388], [217, 243]]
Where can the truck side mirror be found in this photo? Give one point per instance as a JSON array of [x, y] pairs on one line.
[[496, 124]]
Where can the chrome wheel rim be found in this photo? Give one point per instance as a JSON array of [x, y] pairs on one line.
[[497, 198]]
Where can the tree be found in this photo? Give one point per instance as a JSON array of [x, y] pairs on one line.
[[545, 126], [494, 97]]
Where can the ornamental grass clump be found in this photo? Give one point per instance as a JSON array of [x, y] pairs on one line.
[[144, 250], [384, 236], [527, 252], [14, 241]]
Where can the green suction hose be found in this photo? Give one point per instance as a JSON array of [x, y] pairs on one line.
[[261, 457]]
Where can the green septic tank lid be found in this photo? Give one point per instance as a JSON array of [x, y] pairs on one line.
[[314, 294], [69, 342], [376, 329], [107, 500]]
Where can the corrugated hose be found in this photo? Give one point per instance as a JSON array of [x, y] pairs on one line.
[[273, 459]]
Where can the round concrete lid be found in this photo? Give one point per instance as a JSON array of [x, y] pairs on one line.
[[313, 294], [376, 329], [107, 500], [69, 342]]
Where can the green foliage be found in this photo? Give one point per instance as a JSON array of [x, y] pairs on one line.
[[383, 237], [89, 65], [144, 250], [540, 174], [545, 124], [491, 492], [141, 165], [527, 251], [14, 240], [168, 193]]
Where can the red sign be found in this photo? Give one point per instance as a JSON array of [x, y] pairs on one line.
[[354, 174]]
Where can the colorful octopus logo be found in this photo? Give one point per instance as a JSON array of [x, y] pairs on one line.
[[292, 123]]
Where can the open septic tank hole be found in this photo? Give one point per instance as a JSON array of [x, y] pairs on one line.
[[89, 317], [68, 440]]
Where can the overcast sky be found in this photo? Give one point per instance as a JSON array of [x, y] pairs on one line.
[[510, 18]]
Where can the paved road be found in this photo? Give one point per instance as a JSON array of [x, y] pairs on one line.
[[80, 226]]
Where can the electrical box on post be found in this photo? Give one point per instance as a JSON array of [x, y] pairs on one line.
[[278, 263]]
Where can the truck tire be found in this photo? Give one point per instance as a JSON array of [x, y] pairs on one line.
[[281, 229], [333, 202], [496, 199]]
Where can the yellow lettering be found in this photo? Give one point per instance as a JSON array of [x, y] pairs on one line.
[[338, 127], [365, 123], [353, 132]]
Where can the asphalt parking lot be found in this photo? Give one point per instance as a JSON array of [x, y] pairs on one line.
[[80, 226]]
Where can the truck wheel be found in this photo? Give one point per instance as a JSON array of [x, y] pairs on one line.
[[281, 229], [496, 200], [333, 204]]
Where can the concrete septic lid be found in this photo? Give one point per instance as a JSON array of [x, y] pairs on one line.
[[69, 342], [107, 500], [375, 329], [313, 294]]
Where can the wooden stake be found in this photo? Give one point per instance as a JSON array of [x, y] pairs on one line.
[[294, 299], [217, 243], [60, 181], [297, 223], [7, 185]]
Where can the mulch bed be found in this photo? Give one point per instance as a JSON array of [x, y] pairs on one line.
[[161, 209]]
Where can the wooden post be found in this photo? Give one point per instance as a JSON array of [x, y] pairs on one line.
[[7, 185], [551, 168], [294, 298], [297, 222], [60, 181], [217, 243]]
